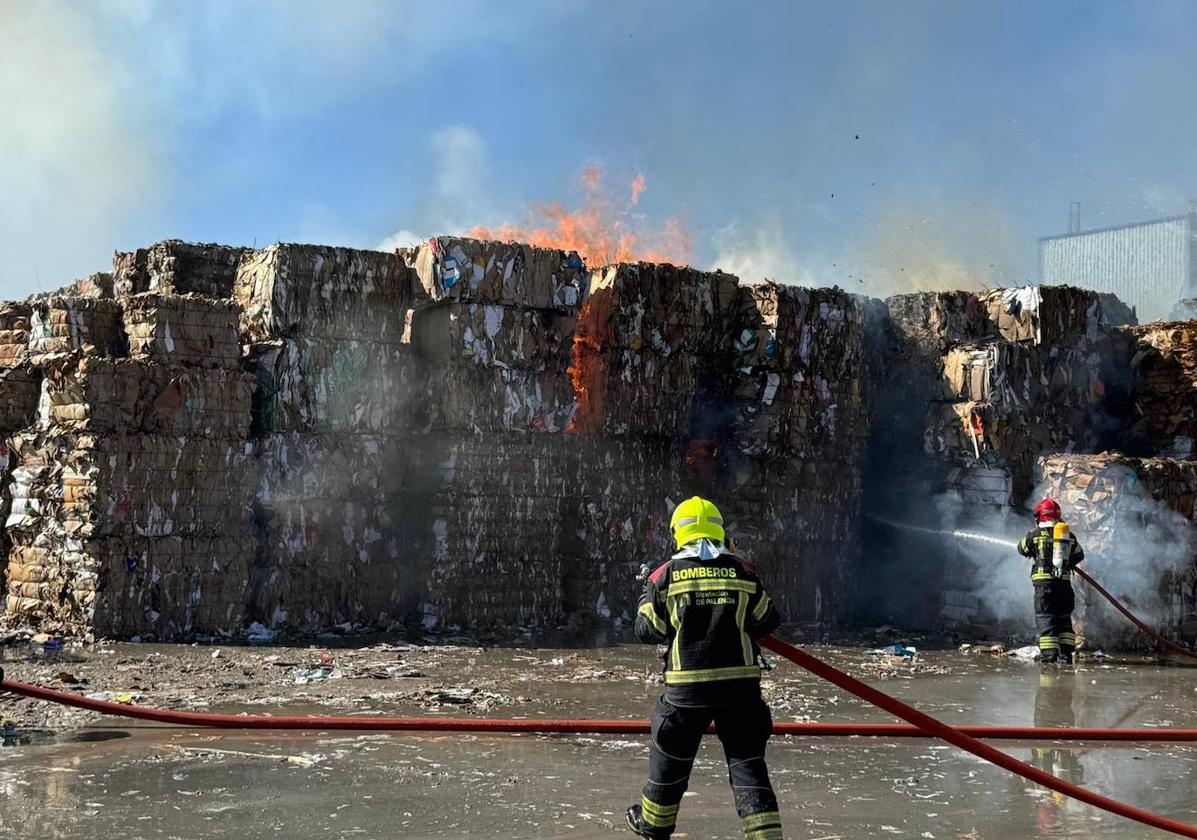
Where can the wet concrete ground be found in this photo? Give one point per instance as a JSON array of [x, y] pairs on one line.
[[70, 774]]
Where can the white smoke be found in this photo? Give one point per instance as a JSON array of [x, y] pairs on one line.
[[1135, 546]]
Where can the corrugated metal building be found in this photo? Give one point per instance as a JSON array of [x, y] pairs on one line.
[[1149, 265]]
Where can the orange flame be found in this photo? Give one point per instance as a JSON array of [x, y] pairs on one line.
[[601, 231]]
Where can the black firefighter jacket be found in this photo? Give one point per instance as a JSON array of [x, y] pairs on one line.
[[710, 612]]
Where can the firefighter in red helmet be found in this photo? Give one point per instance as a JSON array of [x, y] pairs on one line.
[[1054, 552]]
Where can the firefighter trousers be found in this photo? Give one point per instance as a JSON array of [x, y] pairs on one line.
[[743, 730], [1054, 602]]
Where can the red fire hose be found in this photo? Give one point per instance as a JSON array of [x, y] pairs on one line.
[[1163, 640], [923, 723], [565, 727], [965, 742]]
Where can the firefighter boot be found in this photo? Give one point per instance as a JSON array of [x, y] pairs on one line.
[[635, 818]]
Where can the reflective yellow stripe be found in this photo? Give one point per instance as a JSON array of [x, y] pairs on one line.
[[675, 653], [1068, 639], [1042, 576], [657, 816], [680, 677], [1048, 643], [711, 586], [650, 807], [762, 607], [771, 833], [764, 818], [650, 613], [745, 642]]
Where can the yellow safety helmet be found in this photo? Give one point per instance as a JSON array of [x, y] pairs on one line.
[[695, 519]]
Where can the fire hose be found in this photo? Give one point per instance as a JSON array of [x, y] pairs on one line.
[[371, 723], [1146, 628], [919, 724]]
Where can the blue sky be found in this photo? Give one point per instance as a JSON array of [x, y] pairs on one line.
[[879, 146]]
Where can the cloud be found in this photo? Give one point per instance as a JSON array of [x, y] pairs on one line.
[[756, 255], [80, 158]]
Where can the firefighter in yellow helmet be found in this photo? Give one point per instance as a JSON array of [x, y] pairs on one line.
[[710, 609]]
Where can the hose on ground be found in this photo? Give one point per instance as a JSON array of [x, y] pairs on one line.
[[965, 742], [371, 723], [1159, 637]]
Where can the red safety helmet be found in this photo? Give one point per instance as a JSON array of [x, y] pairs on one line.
[[1048, 510]]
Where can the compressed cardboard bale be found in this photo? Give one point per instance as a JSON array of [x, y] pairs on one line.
[[493, 399], [792, 328], [316, 291], [326, 561], [302, 467], [183, 329], [318, 385], [482, 579], [1051, 315], [1023, 377], [1165, 388], [60, 324], [1134, 517], [494, 335], [20, 388], [14, 333], [154, 486], [490, 272], [133, 395], [168, 588], [660, 308], [940, 319], [176, 267]]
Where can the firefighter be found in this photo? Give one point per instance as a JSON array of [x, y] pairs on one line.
[[710, 609], [1054, 553]]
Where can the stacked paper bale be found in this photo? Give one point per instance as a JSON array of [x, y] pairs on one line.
[[330, 424], [59, 324], [1134, 517], [1023, 372], [130, 514], [798, 441], [494, 487], [984, 384], [652, 377], [176, 267], [1165, 389]]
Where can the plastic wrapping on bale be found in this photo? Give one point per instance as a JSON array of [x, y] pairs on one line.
[[61, 324], [1134, 518], [489, 272], [185, 329], [132, 395], [176, 267], [317, 291], [315, 385], [493, 335]]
